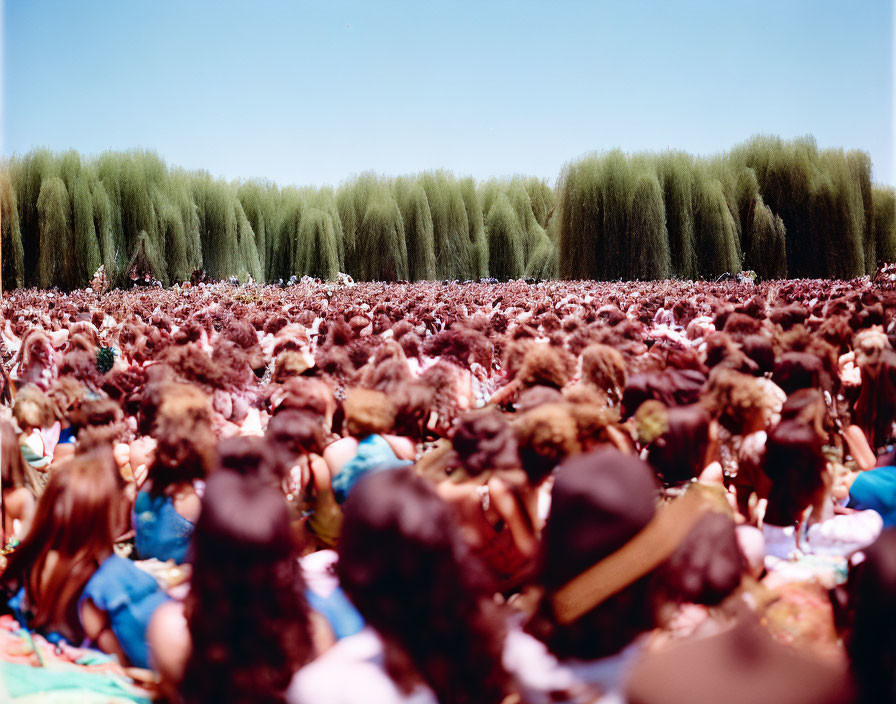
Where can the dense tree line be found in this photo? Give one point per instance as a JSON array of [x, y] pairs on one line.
[[781, 208]]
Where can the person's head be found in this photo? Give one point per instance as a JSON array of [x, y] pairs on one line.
[[34, 409], [708, 566], [737, 401], [368, 413], [604, 367], [403, 563], [682, 450], [546, 365], [185, 448], [247, 612], [599, 502], [296, 432], [872, 642], [483, 441], [875, 408], [796, 465], [546, 436], [77, 518], [807, 406]]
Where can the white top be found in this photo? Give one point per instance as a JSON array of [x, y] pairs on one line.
[[839, 536], [543, 679], [352, 672]]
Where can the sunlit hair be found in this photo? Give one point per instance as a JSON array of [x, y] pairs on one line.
[[185, 448], [546, 436], [77, 519], [368, 413], [404, 565], [604, 367], [247, 613]]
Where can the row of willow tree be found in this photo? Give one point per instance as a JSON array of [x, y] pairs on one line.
[[780, 208]]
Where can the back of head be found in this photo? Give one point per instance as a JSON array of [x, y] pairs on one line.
[[185, 448], [403, 564], [795, 463], [484, 440], [708, 566], [546, 436], [247, 613], [679, 454], [600, 501], [368, 413]]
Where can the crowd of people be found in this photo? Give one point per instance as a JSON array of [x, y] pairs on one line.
[[459, 492]]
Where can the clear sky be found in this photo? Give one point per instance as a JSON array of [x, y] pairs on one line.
[[313, 92]]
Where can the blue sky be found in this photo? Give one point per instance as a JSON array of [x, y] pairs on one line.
[[313, 92]]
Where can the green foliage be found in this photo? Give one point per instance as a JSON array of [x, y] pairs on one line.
[[380, 245], [777, 207], [647, 241], [478, 245], [13, 262], [884, 223], [418, 228], [317, 254], [86, 249], [505, 240], [55, 266], [451, 229]]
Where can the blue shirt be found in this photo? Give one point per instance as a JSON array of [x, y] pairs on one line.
[[876, 489], [129, 596], [161, 532], [374, 453]]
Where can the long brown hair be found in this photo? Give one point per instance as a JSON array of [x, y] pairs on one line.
[[77, 519]]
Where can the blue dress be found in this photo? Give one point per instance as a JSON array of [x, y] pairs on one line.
[[129, 596], [876, 489], [374, 454], [161, 532]]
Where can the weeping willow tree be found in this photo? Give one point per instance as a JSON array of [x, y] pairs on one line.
[[110, 251], [505, 240], [541, 198], [715, 233], [13, 259], [478, 245], [778, 207], [884, 223], [86, 250], [580, 221], [647, 240], [352, 201], [418, 228], [55, 227], [451, 229], [317, 253], [380, 245]]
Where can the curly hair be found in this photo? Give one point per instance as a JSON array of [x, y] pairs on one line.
[[546, 366], [604, 367], [185, 448], [734, 399], [484, 440], [546, 436], [368, 413]]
